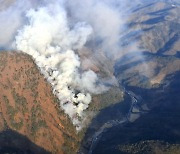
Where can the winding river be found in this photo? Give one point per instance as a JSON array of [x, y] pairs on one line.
[[134, 113]]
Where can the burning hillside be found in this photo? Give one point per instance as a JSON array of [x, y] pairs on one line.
[[28, 106]]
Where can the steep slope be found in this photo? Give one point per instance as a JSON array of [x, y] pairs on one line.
[[27, 104], [149, 66], [152, 42], [28, 107]]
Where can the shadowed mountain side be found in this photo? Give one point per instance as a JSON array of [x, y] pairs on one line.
[[161, 123], [145, 68], [154, 28], [178, 54], [154, 20], [28, 106], [161, 12], [12, 142], [133, 59], [143, 7], [168, 45], [111, 113]]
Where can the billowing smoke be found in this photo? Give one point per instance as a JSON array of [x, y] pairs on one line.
[[51, 41], [106, 17], [10, 19], [53, 32]]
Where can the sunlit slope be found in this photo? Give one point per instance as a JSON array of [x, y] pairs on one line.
[[28, 106]]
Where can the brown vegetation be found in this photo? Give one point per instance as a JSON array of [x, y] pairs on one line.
[[28, 106]]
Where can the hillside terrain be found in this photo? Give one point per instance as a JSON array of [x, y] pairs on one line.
[[27, 104], [150, 69], [28, 107], [154, 28], [146, 69]]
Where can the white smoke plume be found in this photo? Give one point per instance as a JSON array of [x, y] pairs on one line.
[[10, 20], [50, 40], [107, 19], [52, 31]]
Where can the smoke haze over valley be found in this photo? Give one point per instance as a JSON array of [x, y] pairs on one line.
[[103, 62]]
